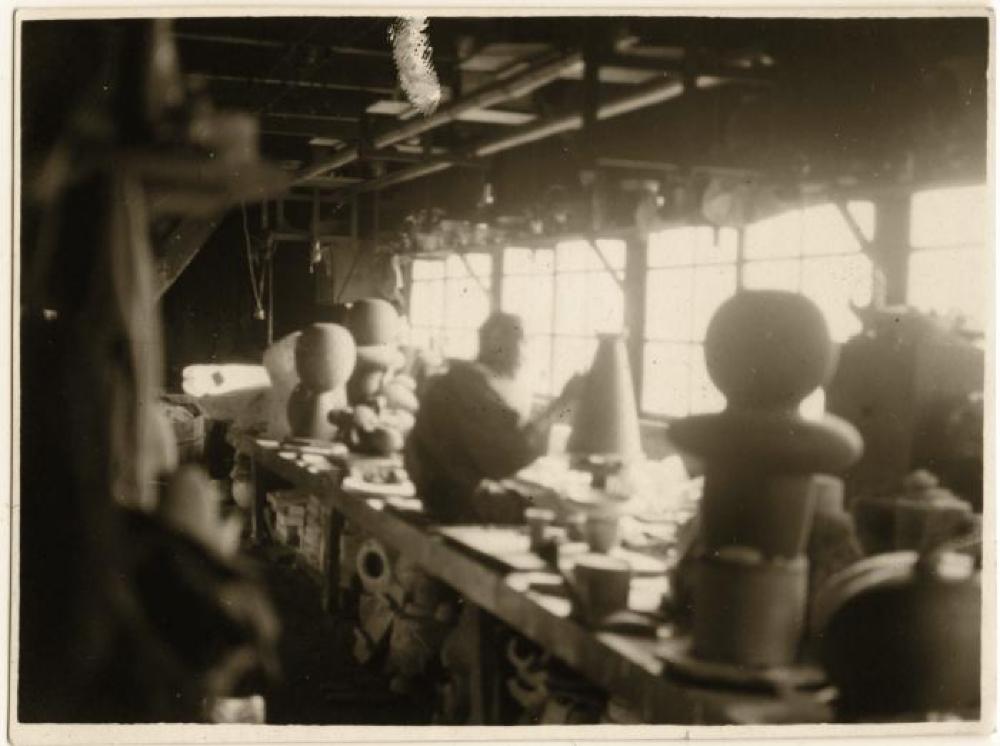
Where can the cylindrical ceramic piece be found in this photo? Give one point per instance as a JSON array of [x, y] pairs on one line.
[[538, 520], [748, 611], [602, 585], [601, 531], [309, 411], [772, 514]]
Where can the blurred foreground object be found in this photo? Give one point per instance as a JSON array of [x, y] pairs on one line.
[[900, 637], [123, 617], [914, 389]]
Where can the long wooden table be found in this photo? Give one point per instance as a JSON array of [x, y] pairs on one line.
[[624, 665]]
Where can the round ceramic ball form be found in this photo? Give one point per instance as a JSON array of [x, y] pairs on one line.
[[768, 349], [279, 361], [373, 321], [325, 356]]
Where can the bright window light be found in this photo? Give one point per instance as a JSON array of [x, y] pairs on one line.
[[949, 265]]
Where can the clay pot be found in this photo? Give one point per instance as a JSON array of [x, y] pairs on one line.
[[748, 611], [601, 532], [768, 349], [602, 585], [325, 356]]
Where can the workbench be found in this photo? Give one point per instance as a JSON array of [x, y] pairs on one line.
[[626, 666]]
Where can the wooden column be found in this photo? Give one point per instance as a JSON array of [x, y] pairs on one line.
[[635, 304], [891, 247]]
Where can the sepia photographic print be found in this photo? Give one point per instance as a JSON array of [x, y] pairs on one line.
[[589, 374]]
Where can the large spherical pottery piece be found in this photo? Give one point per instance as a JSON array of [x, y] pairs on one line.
[[373, 321], [768, 349], [279, 361], [325, 355]]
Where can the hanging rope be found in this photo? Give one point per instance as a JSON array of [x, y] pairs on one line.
[[258, 290]]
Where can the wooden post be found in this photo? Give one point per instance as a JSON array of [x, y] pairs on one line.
[[635, 305], [891, 247]]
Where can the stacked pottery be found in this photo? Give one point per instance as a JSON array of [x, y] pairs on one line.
[[325, 356], [384, 404], [766, 351], [279, 361]]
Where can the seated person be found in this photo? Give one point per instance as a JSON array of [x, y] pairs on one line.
[[474, 424]]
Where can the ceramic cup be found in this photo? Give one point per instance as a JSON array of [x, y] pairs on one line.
[[601, 532], [576, 527], [538, 520], [602, 585]]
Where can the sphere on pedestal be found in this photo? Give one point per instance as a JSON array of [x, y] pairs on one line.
[[325, 355], [373, 321], [309, 412], [768, 349]]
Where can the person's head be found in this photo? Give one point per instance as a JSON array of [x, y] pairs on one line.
[[501, 343]]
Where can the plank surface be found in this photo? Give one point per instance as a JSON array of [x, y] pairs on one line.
[[626, 666]]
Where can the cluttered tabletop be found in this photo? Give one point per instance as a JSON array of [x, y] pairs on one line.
[[608, 613]]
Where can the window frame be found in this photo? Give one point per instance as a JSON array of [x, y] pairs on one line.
[[636, 273]]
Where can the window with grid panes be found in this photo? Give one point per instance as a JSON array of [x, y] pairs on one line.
[[948, 268], [528, 285], [449, 301], [566, 296], [814, 252], [690, 272]]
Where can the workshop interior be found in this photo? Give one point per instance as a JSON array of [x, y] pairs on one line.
[[511, 370]]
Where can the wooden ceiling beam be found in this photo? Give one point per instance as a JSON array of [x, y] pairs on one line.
[[490, 95], [287, 124], [231, 40], [179, 248], [649, 95], [312, 85]]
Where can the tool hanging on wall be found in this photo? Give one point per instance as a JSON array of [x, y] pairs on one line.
[[257, 284]]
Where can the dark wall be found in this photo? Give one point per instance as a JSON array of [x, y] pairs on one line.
[[208, 313]]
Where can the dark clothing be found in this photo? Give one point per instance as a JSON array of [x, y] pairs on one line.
[[466, 431]]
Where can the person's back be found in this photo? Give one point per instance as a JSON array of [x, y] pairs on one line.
[[473, 425], [466, 431]]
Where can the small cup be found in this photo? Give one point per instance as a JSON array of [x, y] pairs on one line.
[[602, 585], [576, 527], [601, 531], [538, 520]]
